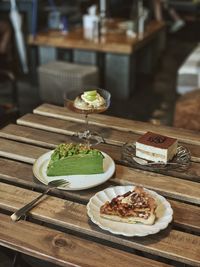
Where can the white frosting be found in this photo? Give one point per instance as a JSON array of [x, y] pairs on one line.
[[97, 102]]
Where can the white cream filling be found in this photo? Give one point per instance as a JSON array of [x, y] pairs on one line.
[[154, 153]]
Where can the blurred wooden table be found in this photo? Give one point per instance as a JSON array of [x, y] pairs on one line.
[[118, 56], [114, 41], [58, 229]]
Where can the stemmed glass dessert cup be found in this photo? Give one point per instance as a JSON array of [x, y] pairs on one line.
[[74, 102]]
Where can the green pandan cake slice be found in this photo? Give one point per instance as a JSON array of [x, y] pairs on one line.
[[75, 159]]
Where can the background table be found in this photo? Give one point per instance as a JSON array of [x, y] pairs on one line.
[[117, 56], [59, 230]]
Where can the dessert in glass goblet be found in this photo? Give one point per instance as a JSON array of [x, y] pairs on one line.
[[87, 101]]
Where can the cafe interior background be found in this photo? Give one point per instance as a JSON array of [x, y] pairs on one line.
[[164, 93]]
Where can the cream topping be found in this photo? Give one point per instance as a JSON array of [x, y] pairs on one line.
[[97, 102]]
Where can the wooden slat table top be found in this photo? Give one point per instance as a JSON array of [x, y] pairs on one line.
[[65, 211], [21, 174], [125, 125], [62, 248], [73, 216], [115, 42], [112, 137], [186, 190]]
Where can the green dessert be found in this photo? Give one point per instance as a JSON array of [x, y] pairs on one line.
[[74, 159]]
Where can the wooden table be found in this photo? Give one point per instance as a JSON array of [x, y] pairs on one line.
[[58, 229], [118, 57]]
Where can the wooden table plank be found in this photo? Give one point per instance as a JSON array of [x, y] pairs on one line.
[[178, 189], [50, 140], [114, 42], [21, 174], [170, 244], [25, 144], [125, 125], [70, 127], [166, 185], [191, 221], [20, 151], [33, 136], [111, 136], [64, 249]]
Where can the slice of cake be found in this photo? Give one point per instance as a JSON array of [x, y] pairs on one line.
[[156, 147], [74, 159], [131, 207]]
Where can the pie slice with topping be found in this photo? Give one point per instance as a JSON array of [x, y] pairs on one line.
[[131, 207]]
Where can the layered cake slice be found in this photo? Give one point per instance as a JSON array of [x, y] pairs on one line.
[[131, 207], [75, 159], [156, 147]]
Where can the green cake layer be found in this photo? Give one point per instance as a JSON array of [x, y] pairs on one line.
[[75, 159]]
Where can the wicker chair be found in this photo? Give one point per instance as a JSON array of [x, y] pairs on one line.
[[55, 77]]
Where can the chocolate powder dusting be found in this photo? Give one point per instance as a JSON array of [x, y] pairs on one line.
[[156, 140]]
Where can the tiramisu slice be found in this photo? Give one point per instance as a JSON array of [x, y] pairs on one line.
[[156, 147], [131, 207]]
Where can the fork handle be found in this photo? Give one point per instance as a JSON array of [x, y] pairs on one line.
[[22, 211]]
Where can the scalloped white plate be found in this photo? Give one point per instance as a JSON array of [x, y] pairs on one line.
[[77, 182], [164, 213]]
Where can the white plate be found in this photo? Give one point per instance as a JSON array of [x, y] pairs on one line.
[[164, 213], [77, 182]]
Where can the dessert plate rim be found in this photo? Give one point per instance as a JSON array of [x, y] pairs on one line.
[[77, 182], [164, 213]]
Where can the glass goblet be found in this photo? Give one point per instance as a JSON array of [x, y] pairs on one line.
[[70, 99]]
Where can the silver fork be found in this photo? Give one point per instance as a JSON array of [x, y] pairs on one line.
[[51, 185]]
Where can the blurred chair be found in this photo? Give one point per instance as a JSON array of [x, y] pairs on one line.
[[55, 77], [188, 76], [187, 109], [9, 106]]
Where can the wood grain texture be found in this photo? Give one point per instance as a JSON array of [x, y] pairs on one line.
[[64, 249], [21, 174], [59, 126], [20, 151], [186, 216], [114, 42], [50, 140], [47, 139], [16, 150], [167, 185], [70, 127], [33, 136], [17, 172], [125, 125], [21, 145], [171, 244]]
